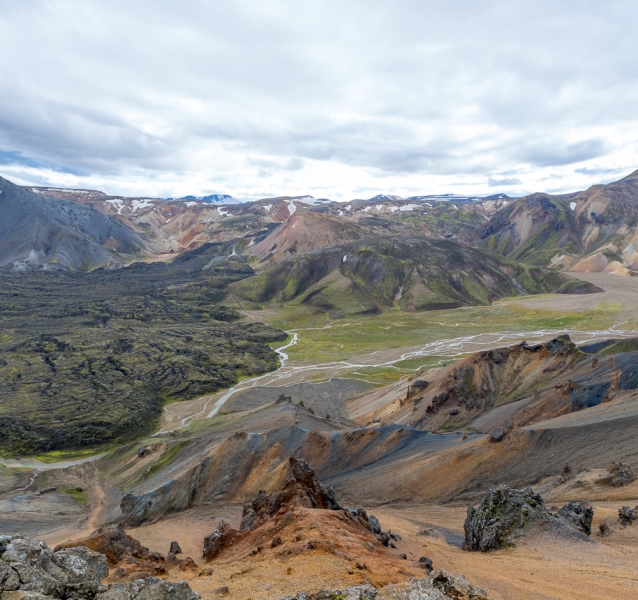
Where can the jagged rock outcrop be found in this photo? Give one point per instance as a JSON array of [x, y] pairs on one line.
[[506, 514], [302, 489], [129, 558], [223, 537], [29, 569], [578, 515], [440, 586]]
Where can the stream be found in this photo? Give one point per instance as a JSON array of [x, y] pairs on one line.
[[289, 373]]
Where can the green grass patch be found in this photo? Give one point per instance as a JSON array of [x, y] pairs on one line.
[[323, 339], [68, 455], [77, 493]]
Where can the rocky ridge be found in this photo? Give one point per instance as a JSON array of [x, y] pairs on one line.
[[275, 511]]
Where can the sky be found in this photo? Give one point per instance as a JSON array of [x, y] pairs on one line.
[[341, 100]]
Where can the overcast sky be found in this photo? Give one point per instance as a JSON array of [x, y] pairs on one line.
[[339, 99]]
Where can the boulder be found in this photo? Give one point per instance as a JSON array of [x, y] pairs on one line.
[[149, 588], [223, 537], [357, 592], [627, 515], [604, 529], [187, 564], [498, 434], [426, 563], [416, 388], [578, 515], [175, 548], [620, 474], [441, 586], [501, 516]]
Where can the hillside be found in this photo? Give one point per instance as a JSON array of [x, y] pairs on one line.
[[45, 233], [555, 231], [411, 272]]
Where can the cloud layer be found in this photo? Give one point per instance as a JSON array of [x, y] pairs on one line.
[[329, 98]]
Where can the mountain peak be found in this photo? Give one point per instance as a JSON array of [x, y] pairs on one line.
[[633, 175]]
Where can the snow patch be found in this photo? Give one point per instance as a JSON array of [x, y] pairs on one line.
[[455, 206], [572, 205], [379, 207], [344, 258], [222, 212], [349, 207], [307, 200], [140, 204], [118, 203], [394, 208], [367, 208], [407, 207], [268, 207]]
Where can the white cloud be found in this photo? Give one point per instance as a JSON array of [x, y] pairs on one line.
[[322, 98]]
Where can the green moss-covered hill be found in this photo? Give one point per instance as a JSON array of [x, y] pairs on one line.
[[91, 358], [412, 272]]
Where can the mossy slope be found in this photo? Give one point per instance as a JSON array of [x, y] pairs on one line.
[[410, 272]]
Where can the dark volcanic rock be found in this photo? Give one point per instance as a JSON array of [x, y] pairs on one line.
[[627, 515], [620, 474], [223, 537], [578, 515], [440, 586], [416, 387], [150, 589], [175, 548], [498, 434], [506, 514], [30, 569], [426, 563], [501, 516]]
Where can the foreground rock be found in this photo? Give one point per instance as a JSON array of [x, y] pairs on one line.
[[441, 586], [125, 554], [506, 514], [29, 569]]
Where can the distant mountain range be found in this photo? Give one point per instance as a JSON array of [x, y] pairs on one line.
[[596, 229]]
